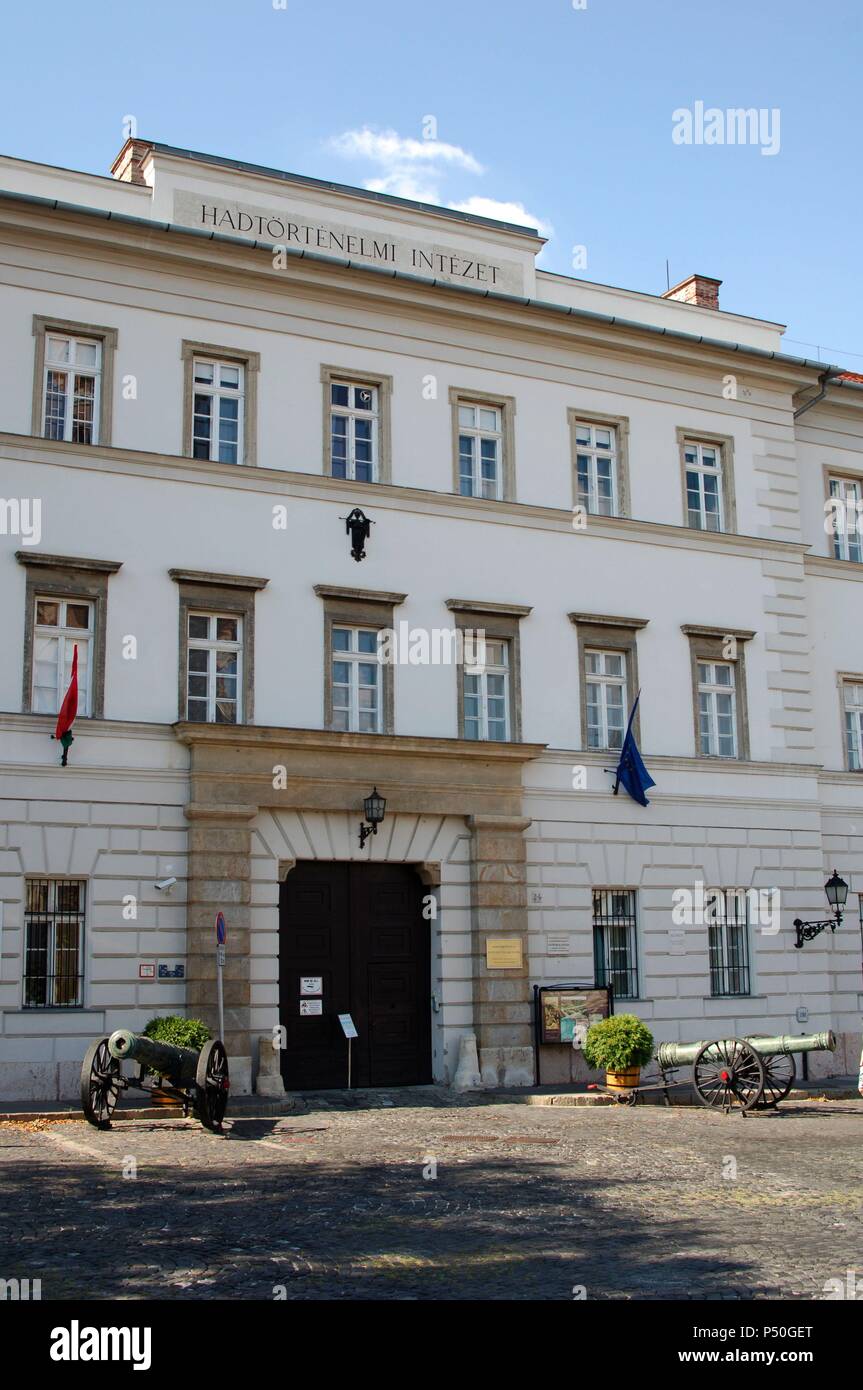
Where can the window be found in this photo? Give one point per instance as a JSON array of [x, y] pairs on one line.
[[218, 411], [359, 685], [852, 700], [480, 438], [60, 626], [356, 680], [716, 722], [703, 485], [72, 385], [483, 445], [54, 943], [608, 663], [354, 431], [72, 374], [615, 958], [728, 939], [220, 403], [486, 691], [66, 605], [607, 704], [357, 425], [215, 654], [846, 528], [596, 467], [217, 646], [719, 691]]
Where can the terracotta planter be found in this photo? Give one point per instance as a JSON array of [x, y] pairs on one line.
[[623, 1080]]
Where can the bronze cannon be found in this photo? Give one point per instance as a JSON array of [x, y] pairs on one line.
[[197, 1080]]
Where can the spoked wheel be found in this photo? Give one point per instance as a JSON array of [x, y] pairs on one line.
[[728, 1074], [101, 1084], [212, 1084], [779, 1074]]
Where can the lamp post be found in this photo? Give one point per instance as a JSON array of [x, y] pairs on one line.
[[374, 807], [837, 895]]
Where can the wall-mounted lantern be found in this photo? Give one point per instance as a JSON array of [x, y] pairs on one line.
[[374, 808], [358, 526], [837, 895]]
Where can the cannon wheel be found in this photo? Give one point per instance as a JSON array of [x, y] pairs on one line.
[[779, 1076], [101, 1084], [728, 1074], [211, 1084]]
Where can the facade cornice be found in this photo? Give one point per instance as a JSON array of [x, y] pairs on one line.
[[119, 234], [39, 560], [221, 581], [480, 606], [606, 620], [289, 483], [827, 568], [343, 591], [699, 630], [285, 739]]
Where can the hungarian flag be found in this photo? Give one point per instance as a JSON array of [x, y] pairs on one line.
[[68, 711]]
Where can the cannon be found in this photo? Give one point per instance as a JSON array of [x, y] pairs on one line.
[[198, 1080], [747, 1073]]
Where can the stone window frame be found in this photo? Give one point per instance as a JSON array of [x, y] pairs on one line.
[[602, 631], [706, 644], [620, 424], [500, 622], [333, 376], [846, 475], [251, 363], [368, 608], [67, 577], [43, 324], [463, 395], [844, 678], [218, 593], [725, 444]]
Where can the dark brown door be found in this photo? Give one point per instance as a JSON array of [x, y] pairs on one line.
[[359, 929]]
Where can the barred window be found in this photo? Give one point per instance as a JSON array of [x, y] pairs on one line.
[[727, 911], [54, 943], [615, 954]]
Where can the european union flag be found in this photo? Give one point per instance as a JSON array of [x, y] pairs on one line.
[[631, 770]]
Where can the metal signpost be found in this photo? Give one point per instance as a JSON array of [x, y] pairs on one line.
[[349, 1029], [221, 938]]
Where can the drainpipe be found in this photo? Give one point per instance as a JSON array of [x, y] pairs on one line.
[[823, 381]]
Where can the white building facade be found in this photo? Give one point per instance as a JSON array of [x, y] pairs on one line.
[[207, 367]]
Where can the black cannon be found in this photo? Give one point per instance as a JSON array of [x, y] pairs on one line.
[[197, 1080]]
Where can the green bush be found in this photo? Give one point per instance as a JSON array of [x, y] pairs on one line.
[[181, 1032], [617, 1043]]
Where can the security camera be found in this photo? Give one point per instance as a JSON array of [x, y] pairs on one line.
[[165, 885]]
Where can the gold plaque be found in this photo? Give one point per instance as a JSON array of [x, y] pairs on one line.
[[503, 953]]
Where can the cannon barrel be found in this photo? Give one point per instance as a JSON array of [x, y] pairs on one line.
[[179, 1064], [672, 1054]]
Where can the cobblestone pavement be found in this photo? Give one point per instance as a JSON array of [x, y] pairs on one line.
[[423, 1201]]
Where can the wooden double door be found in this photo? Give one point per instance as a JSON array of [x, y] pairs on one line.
[[355, 935]]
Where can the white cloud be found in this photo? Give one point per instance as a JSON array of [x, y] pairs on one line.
[[395, 152], [503, 212], [417, 169]]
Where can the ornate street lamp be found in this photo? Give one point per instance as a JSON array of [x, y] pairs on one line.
[[374, 808], [359, 528], [837, 895]]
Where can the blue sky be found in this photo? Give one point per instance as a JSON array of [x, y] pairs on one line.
[[563, 112]]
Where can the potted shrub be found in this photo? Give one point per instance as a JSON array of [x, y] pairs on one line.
[[622, 1045], [180, 1032]]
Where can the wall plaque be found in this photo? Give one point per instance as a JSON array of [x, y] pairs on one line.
[[504, 953]]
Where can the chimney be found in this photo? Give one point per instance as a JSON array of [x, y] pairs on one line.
[[128, 165], [700, 290]]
